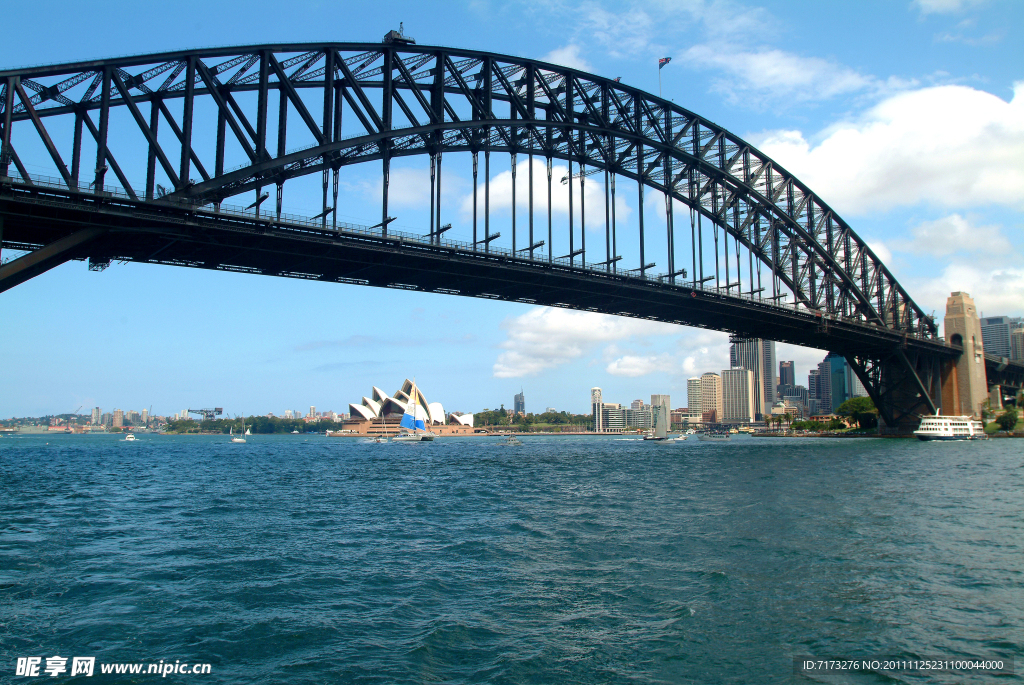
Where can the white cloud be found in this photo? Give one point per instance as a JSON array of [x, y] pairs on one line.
[[997, 291], [949, 145], [954, 233], [568, 56], [943, 6], [778, 73], [632, 366], [546, 337], [880, 250]]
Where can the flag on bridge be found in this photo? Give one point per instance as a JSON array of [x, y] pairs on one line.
[[663, 61], [618, 79]]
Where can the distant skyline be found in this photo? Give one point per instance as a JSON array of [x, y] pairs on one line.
[[906, 117]]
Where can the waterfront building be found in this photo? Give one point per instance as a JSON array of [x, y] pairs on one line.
[[96, 415], [596, 406], [640, 418], [757, 356], [797, 402], [680, 416], [737, 396], [636, 404], [787, 374], [519, 403], [118, 418], [145, 416], [711, 397], [613, 417]]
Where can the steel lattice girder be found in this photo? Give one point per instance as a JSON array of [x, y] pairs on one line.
[[507, 104]]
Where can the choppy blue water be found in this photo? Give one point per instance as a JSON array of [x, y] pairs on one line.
[[303, 559]]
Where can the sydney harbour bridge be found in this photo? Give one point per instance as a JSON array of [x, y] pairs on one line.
[[755, 252]]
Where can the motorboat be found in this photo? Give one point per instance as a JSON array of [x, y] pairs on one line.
[[510, 440], [715, 434], [950, 428], [130, 437]]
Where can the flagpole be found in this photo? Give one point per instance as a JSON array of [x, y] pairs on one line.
[[659, 79]]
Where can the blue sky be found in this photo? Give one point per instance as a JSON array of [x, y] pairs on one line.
[[907, 117]]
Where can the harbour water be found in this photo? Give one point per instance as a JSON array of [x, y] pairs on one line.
[[302, 559]]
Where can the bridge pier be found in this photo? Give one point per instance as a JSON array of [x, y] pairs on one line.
[[965, 387]]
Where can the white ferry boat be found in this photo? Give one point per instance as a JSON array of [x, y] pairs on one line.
[[950, 428]]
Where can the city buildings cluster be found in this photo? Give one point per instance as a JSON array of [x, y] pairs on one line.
[[1003, 336], [119, 418], [747, 392]]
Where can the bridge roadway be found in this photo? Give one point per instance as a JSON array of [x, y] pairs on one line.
[[113, 227]]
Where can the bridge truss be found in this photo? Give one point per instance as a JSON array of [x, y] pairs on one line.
[[766, 257]]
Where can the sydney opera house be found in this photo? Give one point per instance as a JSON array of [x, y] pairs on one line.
[[381, 414]]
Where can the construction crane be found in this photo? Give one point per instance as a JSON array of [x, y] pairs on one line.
[[74, 414], [208, 414]]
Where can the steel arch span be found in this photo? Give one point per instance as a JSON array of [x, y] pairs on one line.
[[810, 279]]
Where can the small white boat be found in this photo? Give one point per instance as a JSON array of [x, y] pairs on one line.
[[950, 428], [236, 438], [414, 427], [129, 438]]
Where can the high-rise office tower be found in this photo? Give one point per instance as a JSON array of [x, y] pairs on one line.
[[693, 396], [995, 334], [787, 375], [96, 415], [824, 387], [597, 409], [737, 396], [757, 356], [519, 403], [1017, 344]]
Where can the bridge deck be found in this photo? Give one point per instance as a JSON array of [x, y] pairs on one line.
[[177, 234]]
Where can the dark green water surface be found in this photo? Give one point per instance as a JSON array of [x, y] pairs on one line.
[[303, 559]]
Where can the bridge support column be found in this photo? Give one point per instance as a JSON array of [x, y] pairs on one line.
[[969, 384], [904, 385], [995, 398]]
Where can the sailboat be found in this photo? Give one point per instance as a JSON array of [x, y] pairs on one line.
[[237, 438], [413, 427], [660, 431]]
